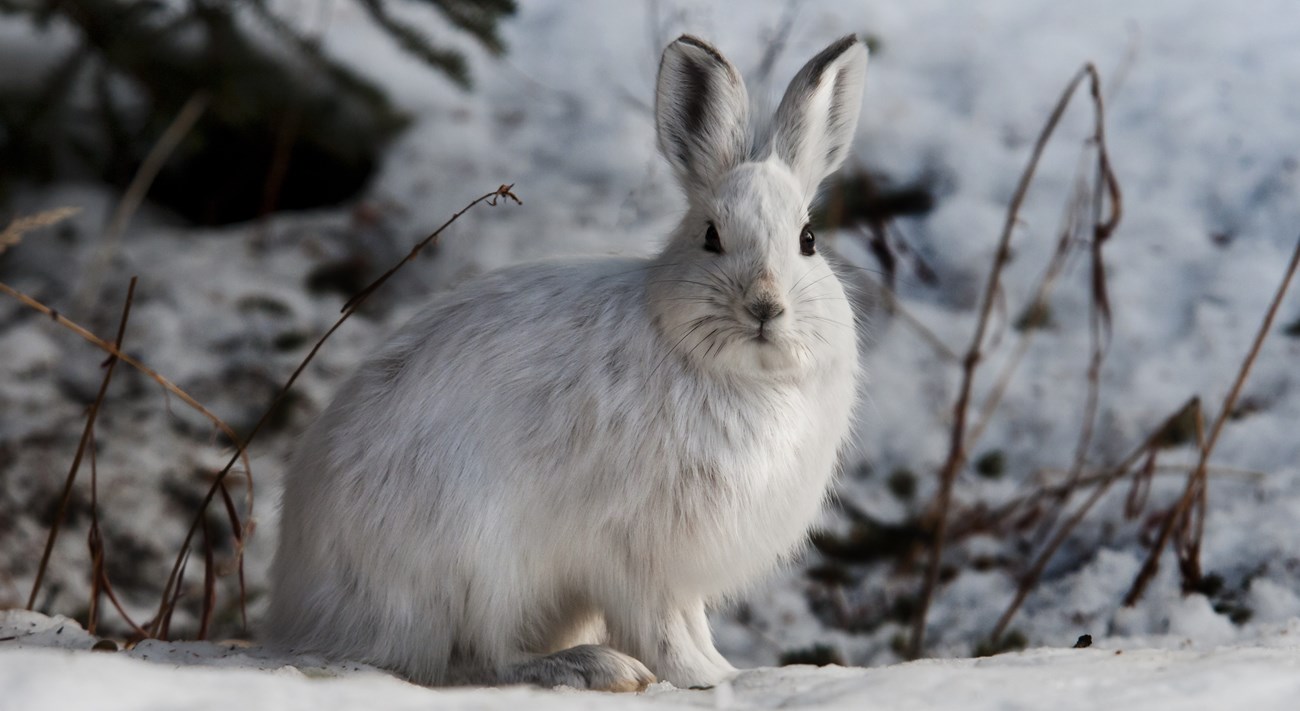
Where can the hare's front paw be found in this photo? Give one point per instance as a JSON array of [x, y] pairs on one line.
[[588, 666], [700, 676]]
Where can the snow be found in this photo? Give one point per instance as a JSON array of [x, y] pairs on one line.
[[1201, 122], [1264, 674]]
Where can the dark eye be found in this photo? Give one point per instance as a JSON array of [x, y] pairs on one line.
[[807, 242], [712, 242]]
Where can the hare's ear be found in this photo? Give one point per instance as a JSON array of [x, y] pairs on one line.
[[815, 122], [701, 113]]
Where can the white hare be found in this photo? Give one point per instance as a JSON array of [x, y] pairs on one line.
[[551, 473]]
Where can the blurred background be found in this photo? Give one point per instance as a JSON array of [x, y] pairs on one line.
[[256, 163]]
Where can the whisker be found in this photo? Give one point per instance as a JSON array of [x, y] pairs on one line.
[[815, 317], [869, 270], [805, 276], [819, 298], [712, 333], [698, 323], [701, 299], [813, 283], [720, 278]]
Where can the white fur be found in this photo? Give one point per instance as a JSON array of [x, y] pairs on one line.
[[591, 452]]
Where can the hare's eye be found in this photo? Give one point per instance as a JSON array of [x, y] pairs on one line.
[[712, 242], [807, 242]]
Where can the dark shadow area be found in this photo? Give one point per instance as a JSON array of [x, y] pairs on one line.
[[283, 125]]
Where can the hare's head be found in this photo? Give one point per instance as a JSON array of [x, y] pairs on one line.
[[742, 285]]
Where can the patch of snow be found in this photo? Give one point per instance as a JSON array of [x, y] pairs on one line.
[[39, 654]]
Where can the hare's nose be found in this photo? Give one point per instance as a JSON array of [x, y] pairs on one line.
[[765, 309]]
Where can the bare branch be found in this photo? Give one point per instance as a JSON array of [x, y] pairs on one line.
[[957, 451], [1196, 482], [86, 434], [172, 589]]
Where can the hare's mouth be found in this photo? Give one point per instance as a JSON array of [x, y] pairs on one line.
[[767, 336]]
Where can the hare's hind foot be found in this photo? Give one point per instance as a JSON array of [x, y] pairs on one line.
[[587, 666]]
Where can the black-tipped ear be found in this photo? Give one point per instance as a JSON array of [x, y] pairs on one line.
[[815, 122], [701, 113]]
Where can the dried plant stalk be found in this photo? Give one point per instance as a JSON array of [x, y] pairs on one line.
[[171, 590], [86, 435], [1147, 450], [957, 450], [19, 226], [1195, 490], [115, 352]]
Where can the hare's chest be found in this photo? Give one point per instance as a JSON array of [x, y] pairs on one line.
[[743, 487]]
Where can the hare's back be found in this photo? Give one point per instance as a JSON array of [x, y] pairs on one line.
[[502, 352], [514, 322]]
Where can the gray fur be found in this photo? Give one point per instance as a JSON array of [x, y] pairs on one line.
[[586, 666]]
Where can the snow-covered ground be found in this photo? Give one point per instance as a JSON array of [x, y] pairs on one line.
[[1202, 116], [35, 670]]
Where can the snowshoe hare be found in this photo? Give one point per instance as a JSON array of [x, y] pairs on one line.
[[551, 473]]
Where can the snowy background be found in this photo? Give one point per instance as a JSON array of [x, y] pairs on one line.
[[1202, 116]]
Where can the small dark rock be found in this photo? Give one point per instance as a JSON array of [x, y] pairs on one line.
[[1084, 641], [902, 483], [1293, 329], [104, 645], [992, 465], [818, 655]]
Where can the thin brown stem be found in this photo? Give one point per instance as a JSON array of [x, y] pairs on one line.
[[13, 233], [117, 605], [983, 519], [1197, 481], [141, 182], [94, 542], [209, 582], [100, 584], [163, 622], [114, 351], [1030, 579], [86, 434], [503, 191], [930, 337], [1105, 187], [1037, 309], [957, 452], [237, 530], [177, 572]]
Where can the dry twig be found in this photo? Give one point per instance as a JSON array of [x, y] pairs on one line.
[[957, 451], [140, 183], [13, 233], [86, 434], [114, 351], [1194, 495], [1034, 314], [171, 590], [1146, 451], [100, 584]]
